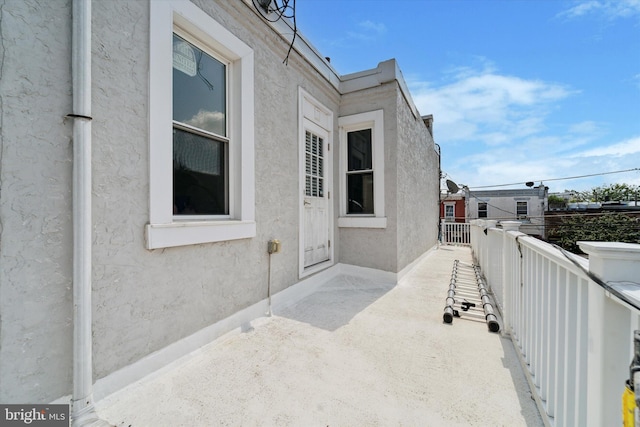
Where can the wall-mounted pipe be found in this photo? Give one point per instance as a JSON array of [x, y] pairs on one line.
[[83, 411], [273, 247]]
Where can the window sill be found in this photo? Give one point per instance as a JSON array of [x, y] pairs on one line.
[[362, 222], [196, 232]]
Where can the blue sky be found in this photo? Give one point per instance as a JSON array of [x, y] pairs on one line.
[[520, 90]]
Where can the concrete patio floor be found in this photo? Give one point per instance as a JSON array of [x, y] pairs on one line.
[[355, 353]]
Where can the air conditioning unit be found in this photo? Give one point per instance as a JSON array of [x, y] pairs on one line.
[[522, 217]]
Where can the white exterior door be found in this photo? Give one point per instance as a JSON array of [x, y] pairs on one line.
[[316, 210]]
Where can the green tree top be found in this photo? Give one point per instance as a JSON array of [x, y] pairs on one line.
[[611, 192]]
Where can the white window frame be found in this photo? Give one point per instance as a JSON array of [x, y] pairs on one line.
[[165, 229], [451, 218], [525, 215], [373, 120], [486, 210]]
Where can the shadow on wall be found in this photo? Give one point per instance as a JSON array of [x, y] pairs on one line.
[[336, 302]]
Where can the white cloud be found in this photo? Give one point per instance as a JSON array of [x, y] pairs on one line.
[[584, 128], [213, 121], [488, 106], [581, 9], [376, 27], [496, 129], [368, 31], [611, 9], [624, 148]]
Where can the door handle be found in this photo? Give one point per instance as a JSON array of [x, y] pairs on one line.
[[306, 203]]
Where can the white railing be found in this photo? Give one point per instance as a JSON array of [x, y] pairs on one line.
[[574, 336], [455, 233]]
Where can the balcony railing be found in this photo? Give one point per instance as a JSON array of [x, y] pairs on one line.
[[455, 233], [571, 319]]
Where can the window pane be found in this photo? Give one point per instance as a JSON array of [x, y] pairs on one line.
[[199, 88], [359, 148], [448, 210], [482, 210], [199, 175], [360, 193], [521, 208]]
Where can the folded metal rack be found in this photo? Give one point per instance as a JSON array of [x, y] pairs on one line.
[[458, 293]]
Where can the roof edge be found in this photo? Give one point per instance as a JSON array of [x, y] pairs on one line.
[[386, 71]]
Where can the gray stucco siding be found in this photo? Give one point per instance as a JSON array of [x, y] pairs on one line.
[[172, 293], [374, 247], [142, 300], [418, 186], [145, 300], [35, 206]]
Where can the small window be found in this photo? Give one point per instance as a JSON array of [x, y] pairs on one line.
[[482, 209], [362, 170], [359, 172], [449, 213], [522, 209]]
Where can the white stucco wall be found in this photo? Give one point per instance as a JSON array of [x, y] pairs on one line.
[[418, 186], [142, 300], [374, 247], [411, 185], [145, 300], [157, 297]]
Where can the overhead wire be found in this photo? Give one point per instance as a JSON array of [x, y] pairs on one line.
[[518, 183], [280, 13], [559, 179]]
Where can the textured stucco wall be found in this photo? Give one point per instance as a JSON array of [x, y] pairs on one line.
[[375, 247], [411, 186], [145, 300], [418, 186], [142, 300], [157, 297], [35, 200]]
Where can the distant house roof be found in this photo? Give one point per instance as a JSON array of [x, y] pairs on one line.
[[539, 191]]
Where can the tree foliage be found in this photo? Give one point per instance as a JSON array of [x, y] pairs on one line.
[[605, 193], [606, 227]]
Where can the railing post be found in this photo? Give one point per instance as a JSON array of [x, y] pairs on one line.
[[493, 273], [473, 232], [610, 332], [484, 262], [509, 259]]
